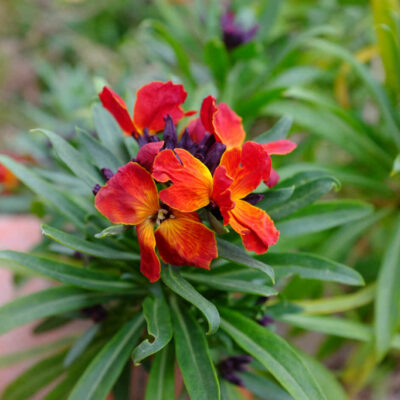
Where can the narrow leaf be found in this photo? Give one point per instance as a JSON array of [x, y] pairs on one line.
[[276, 355], [84, 246], [99, 378], [279, 131], [172, 278], [193, 356], [67, 273], [236, 254]]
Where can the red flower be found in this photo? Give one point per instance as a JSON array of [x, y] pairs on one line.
[[8, 181], [154, 101], [240, 171], [130, 197]]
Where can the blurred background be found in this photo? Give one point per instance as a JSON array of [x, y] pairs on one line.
[[331, 65]]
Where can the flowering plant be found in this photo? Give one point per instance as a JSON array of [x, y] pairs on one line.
[[198, 195]]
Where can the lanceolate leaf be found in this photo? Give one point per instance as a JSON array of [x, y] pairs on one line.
[[99, 378], [156, 312], [236, 254], [311, 266], [279, 131], [81, 345], [172, 278], [303, 195], [84, 246], [322, 216], [230, 285], [276, 196], [387, 304], [35, 378], [73, 159], [100, 155], [47, 192], [276, 355], [67, 273], [53, 301], [161, 383], [193, 356]]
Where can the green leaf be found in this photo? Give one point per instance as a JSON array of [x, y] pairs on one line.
[[275, 196], [396, 166], [109, 132], [93, 249], [11, 204], [322, 216], [156, 312], [387, 304], [73, 159], [161, 383], [99, 378], [70, 274], [193, 356], [111, 231], [9, 359], [279, 131], [236, 254], [275, 354], [99, 154], [311, 266], [51, 323], [51, 195], [229, 285], [216, 57], [263, 387], [122, 388], [230, 391], [81, 345], [172, 278], [45, 303], [303, 195], [35, 378]]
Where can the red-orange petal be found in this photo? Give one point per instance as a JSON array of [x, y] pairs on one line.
[[191, 180], [184, 240], [282, 146], [129, 197], [222, 194], [273, 179], [149, 262], [147, 153], [7, 179], [155, 101], [207, 112], [196, 130], [228, 127], [254, 225], [117, 107], [247, 167]]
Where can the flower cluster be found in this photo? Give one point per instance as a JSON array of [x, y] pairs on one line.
[[207, 169]]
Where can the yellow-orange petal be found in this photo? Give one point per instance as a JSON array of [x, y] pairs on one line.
[[117, 107], [228, 127], [184, 240], [254, 225], [129, 197], [149, 262], [155, 101], [191, 180], [247, 167]]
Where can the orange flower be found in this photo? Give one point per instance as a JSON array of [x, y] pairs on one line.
[[8, 181], [130, 197], [239, 173], [154, 101]]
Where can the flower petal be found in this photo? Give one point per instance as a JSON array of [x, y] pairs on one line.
[[184, 240], [196, 129], [117, 107], [7, 179], [207, 112], [273, 179], [149, 262], [254, 225], [228, 127], [247, 167], [147, 153], [191, 180], [155, 101], [129, 197], [282, 146], [222, 195]]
